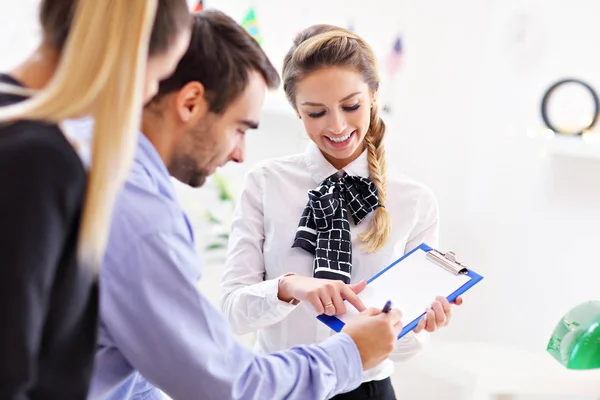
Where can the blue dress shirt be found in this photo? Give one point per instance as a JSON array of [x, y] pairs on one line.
[[158, 330]]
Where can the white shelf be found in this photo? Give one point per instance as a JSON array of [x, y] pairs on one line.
[[574, 146]]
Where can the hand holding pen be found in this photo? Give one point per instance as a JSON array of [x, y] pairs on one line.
[[375, 332]]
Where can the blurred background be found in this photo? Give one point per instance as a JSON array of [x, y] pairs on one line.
[[463, 83]]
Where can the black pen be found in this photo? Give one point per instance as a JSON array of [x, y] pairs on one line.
[[387, 307]]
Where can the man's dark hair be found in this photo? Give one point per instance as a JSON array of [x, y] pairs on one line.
[[172, 17], [221, 56]]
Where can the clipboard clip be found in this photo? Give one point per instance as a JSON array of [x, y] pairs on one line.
[[447, 261]]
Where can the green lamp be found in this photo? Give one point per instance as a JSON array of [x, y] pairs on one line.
[[575, 342]]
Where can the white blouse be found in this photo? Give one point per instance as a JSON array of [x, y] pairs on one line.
[[260, 250]]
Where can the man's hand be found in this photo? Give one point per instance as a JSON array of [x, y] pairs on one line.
[[375, 334]]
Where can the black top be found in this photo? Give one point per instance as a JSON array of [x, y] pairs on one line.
[[48, 304]]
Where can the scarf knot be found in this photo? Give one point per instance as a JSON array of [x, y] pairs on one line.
[[324, 228]]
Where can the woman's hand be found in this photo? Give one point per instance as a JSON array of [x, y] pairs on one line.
[[325, 295], [438, 315]]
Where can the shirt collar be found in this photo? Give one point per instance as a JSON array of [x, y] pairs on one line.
[[149, 159], [80, 131], [320, 168]]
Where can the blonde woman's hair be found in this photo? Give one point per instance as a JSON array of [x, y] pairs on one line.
[[321, 46], [104, 47]]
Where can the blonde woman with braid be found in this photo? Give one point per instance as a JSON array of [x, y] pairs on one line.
[[97, 58], [310, 229]]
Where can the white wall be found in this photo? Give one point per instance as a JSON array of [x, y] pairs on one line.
[[18, 31], [526, 218]]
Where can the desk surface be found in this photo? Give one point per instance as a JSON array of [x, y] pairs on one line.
[[503, 369]]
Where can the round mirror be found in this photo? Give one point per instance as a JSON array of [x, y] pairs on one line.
[[570, 107]]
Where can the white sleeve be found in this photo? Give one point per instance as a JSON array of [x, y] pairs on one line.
[[248, 300]]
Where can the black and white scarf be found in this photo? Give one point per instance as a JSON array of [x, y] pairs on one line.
[[324, 229]]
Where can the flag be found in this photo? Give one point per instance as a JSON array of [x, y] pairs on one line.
[[393, 63], [394, 59], [250, 24], [199, 6]]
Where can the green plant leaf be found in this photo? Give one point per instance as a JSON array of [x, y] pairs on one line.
[[223, 188], [215, 246], [210, 217]]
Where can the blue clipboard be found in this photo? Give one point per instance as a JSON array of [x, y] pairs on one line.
[[446, 260]]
